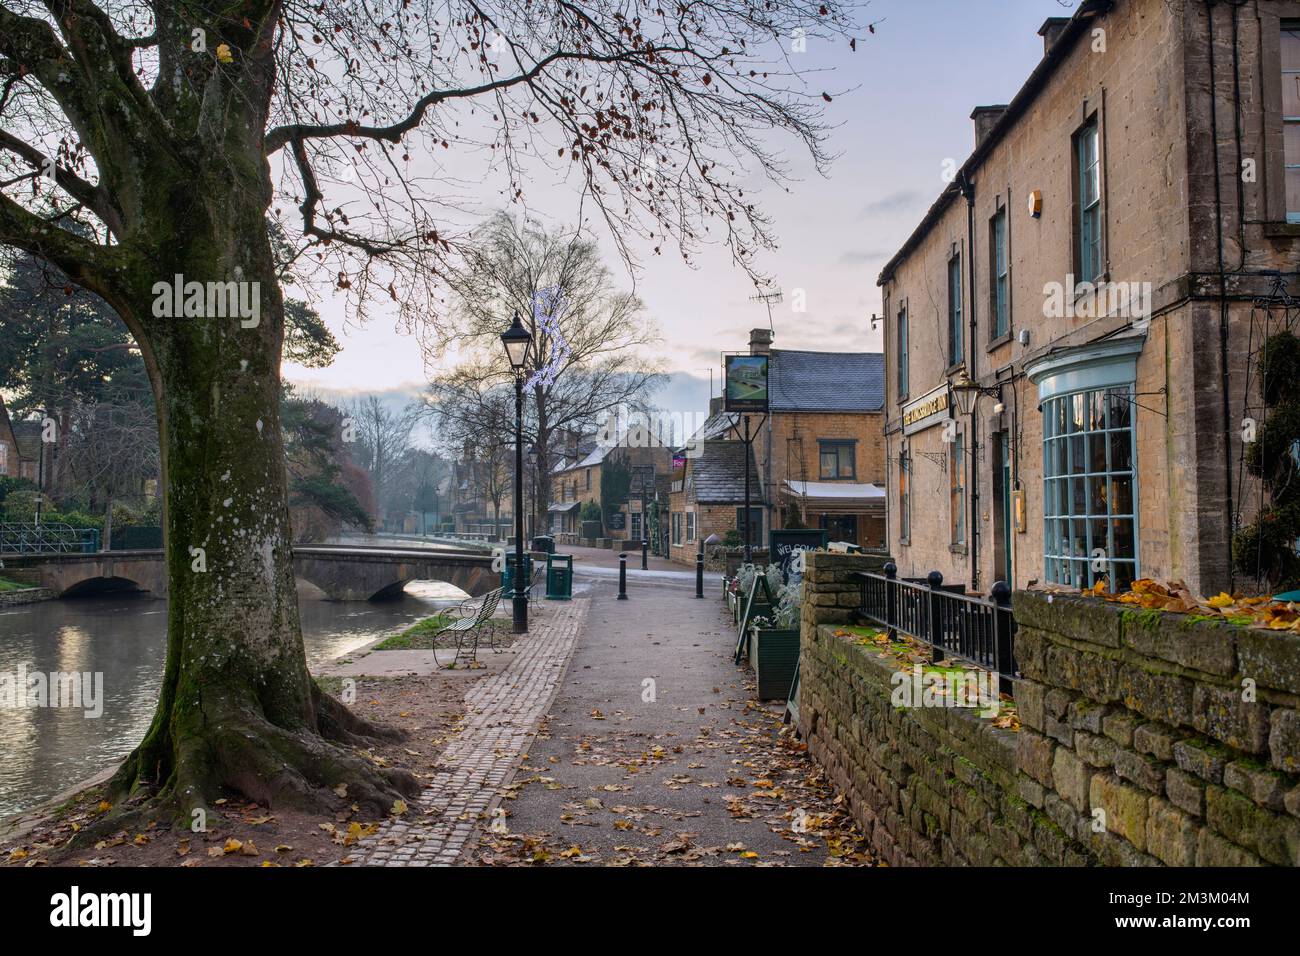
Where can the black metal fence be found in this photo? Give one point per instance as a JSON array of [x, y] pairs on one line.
[[17, 538], [982, 632]]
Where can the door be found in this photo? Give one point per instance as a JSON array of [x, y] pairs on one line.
[[1002, 480]]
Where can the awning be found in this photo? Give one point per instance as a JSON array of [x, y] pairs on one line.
[[565, 507], [838, 497]]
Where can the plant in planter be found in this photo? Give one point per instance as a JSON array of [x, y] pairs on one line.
[[774, 643]]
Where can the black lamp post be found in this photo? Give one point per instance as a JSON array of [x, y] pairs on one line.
[[965, 395], [531, 458], [518, 342]]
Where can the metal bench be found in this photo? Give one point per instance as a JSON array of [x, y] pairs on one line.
[[469, 616]]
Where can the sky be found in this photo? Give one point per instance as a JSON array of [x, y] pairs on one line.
[[902, 110]]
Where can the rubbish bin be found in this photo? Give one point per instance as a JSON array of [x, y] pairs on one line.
[[507, 573], [559, 577], [544, 542]]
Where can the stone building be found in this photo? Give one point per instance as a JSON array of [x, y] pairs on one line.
[[817, 456], [641, 459], [10, 460], [1072, 329]]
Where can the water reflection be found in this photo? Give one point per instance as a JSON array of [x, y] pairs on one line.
[[44, 751]]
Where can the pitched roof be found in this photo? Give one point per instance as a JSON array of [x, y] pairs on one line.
[[826, 381], [28, 436], [718, 474]]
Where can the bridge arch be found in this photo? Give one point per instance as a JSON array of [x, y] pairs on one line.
[[102, 584]]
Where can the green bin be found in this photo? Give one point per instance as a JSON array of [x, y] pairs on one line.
[[559, 577], [507, 574]]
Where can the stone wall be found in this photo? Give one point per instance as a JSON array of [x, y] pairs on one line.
[[1136, 746]]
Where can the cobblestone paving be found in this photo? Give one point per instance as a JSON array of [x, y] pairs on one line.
[[502, 714]]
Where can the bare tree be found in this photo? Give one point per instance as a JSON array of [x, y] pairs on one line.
[[172, 129], [476, 421], [590, 361], [383, 437]]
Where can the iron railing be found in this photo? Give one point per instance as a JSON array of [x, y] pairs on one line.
[[982, 632], [18, 538]]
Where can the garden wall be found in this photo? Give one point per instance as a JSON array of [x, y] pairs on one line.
[[1145, 739]]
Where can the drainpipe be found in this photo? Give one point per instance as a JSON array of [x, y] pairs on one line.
[[968, 191], [1223, 301]]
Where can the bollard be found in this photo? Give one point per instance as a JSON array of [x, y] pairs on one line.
[[622, 577], [645, 551], [935, 580], [699, 574]]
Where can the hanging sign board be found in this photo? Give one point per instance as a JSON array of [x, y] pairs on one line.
[[745, 385]]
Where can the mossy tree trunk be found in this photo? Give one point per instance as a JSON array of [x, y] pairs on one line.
[[185, 188]]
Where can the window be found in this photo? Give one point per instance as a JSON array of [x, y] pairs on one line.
[[4, 458], [954, 311], [998, 280], [690, 526], [957, 489], [636, 526], [904, 496], [755, 525], [837, 460], [589, 479], [1090, 488], [677, 527], [1088, 175], [902, 352], [1291, 117]]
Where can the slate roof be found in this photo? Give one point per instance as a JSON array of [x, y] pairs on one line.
[[28, 436], [717, 475], [826, 381]]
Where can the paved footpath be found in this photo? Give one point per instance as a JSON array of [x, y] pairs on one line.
[[655, 754], [502, 715]]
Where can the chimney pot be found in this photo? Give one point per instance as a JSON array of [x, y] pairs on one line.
[[986, 117], [1051, 30]]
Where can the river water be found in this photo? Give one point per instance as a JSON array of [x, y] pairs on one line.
[[46, 750]]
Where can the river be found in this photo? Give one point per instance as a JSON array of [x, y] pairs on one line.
[[46, 750]]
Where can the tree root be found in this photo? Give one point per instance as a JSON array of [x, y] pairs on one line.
[[175, 773]]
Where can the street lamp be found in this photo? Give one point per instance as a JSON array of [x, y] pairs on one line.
[[518, 341], [965, 393]]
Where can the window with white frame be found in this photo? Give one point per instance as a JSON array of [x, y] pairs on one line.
[[1090, 488], [1291, 117], [677, 527], [1000, 291], [690, 526], [1087, 169]]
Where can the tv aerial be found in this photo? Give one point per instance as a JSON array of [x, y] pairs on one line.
[[769, 299]]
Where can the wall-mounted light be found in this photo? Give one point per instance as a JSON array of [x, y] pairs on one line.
[[1036, 203]]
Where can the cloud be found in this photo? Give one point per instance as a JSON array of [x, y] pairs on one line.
[[904, 200], [855, 257]]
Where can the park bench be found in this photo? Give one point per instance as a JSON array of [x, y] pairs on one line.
[[470, 615]]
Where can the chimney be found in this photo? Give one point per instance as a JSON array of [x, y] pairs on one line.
[[986, 117], [1050, 30], [715, 404], [760, 341]]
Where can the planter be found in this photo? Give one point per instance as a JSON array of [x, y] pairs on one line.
[[773, 653]]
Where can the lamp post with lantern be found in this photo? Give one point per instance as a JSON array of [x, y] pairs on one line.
[[518, 342]]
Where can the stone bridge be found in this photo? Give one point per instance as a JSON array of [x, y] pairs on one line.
[[344, 573]]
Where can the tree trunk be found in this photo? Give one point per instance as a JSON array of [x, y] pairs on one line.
[[238, 709]]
